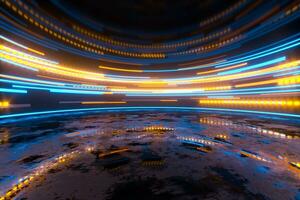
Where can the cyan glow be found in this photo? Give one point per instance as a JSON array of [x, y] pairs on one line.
[[263, 90], [50, 84], [259, 65], [195, 77], [13, 90], [75, 91], [33, 80], [261, 54], [218, 94], [31, 87], [66, 91], [13, 42], [134, 108], [35, 57], [290, 71], [48, 87], [253, 56], [25, 58], [203, 93]]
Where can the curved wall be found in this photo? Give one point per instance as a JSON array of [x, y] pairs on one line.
[[243, 58]]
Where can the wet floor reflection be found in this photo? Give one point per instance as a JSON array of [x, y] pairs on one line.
[[151, 156]]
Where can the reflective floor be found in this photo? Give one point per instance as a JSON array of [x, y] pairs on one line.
[[151, 155]]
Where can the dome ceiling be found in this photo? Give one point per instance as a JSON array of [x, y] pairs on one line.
[[142, 19]]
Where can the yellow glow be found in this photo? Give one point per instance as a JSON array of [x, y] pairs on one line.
[[33, 62], [173, 90], [279, 81], [113, 152], [24, 79], [152, 83], [168, 100], [4, 104], [103, 102], [247, 74], [50, 67], [222, 136], [297, 164], [35, 51], [63, 79], [108, 93], [120, 69], [217, 88], [289, 80], [288, 103], [256, 83]]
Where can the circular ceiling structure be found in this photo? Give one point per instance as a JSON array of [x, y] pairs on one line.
[[146, 20]]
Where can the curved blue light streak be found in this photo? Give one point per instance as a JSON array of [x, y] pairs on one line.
[[134, 108], [13, 90]]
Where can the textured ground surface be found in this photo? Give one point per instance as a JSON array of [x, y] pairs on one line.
[[156, 163]]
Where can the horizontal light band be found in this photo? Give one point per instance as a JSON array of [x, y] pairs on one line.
[[13, 90], [75, 91], [168, 100], [145, 108], [259, 65], [293, 103], [222, 69], [103, 102], [22, 46], [120, 69]]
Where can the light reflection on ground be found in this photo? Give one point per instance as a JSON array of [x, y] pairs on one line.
[[154, 156]]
